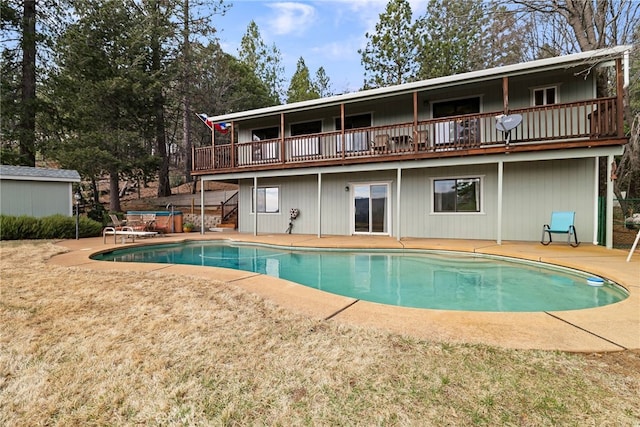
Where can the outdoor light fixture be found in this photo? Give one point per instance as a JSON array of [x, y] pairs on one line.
[[76, 197], [346, 188]]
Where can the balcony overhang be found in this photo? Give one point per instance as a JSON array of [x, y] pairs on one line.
[[495, 155]]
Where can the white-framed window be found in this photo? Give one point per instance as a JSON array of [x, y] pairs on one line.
[[457, 195], [268, 200], [544, 95]]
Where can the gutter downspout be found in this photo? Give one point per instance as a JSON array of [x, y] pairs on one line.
[[625, 66]]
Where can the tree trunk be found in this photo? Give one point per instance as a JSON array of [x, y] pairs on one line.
[[164, 186], [95, 191], [114, 191], [27, 124], [186, 102]]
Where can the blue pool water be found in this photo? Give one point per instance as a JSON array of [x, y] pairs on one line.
[[449, 281]]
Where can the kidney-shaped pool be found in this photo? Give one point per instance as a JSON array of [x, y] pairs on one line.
[[422, 279]]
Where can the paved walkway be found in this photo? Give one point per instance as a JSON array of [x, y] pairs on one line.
[[611, 328]]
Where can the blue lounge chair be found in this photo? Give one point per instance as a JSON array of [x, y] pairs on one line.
[[561, 223]]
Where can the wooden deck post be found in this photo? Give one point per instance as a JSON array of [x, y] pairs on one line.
[[505, 94], [282, 156], [213, 148], [232, 156], [619, 99], [344, 143], [415, 121]]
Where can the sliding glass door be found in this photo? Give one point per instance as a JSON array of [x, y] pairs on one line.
[[371, 208]]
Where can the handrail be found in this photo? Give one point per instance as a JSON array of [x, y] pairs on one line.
[[231, 201], [591, 119]]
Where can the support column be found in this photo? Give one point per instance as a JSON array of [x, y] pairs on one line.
[[344, 143], [319, 205], [596, 184], [619, 98], [415, 121], [282, 153], [232, 155], [398, 188], [609, 215], [500, 189], [201, 204], [213, 148], [505, 95], [255, 205]]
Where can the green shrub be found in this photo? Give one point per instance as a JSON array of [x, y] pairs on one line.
[[18, 227], [99, 213], [50, 227]]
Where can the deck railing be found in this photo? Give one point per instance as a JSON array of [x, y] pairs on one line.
[[591, 120]]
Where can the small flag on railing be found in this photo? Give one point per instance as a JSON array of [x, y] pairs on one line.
[[206, 120], [221, 127]]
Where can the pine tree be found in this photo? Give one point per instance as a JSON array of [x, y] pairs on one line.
[[322, 84], [99, 103], [265, 62], [389, 57], [451, 38], [301, 88]]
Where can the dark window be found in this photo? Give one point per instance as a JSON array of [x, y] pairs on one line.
[[544, 96], [456, 107], [456, 195], [306, 128], [354, 122], [266, 133]]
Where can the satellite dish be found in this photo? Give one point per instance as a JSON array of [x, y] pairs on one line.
[[504, 123]]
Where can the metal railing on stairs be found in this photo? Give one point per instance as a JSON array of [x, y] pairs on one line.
[[229, 207]]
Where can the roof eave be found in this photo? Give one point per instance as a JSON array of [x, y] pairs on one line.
[[589, 57]]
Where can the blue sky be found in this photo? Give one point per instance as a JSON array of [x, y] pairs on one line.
[[325, 33]]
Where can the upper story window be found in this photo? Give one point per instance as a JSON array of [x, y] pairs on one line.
[[268, 200], [545, 95], [266, 133], [354, 122], [456, 195], [306, 128]]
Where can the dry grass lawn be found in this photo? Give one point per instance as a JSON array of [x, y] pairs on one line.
[[79, 347]]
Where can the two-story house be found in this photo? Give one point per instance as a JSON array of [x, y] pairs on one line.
[[488, 154]]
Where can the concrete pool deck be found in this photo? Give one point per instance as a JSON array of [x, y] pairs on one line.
[[614, 327]]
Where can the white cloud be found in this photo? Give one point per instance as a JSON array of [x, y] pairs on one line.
[[291, 17]]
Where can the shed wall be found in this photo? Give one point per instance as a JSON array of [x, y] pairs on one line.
[[35, 198]]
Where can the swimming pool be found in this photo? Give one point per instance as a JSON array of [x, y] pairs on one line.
[[422, 279]]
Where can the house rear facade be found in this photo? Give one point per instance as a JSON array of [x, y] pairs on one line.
[[482, 155]]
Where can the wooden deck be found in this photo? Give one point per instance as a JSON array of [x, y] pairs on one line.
[[558, 126]]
